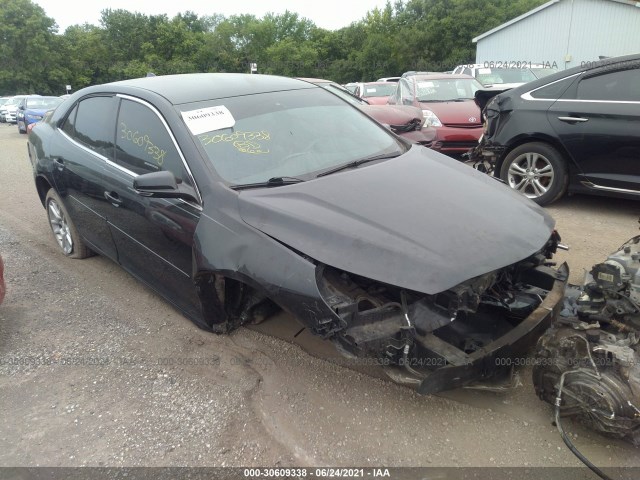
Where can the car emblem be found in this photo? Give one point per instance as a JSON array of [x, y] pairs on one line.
[[473, 119]]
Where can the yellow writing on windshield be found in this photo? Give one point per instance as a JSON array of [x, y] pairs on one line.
[[245, 142]]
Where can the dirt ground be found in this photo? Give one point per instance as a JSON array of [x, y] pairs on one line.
[[97, 370]]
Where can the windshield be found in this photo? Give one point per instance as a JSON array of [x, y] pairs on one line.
[[493, 76], [379, 90], [290, 134], [444, 90], [43, 103]]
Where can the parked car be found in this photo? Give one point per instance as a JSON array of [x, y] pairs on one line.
[[9, 110], [447, 103], [577, 131], [492, 75], [3, 100], [31, 109], [3, 109], [405, 121], [376, 93], [45, 118], [234, 195]]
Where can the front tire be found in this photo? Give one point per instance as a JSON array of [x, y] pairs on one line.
[[64, 231], [537, 170]]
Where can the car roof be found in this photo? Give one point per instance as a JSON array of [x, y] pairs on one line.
[[193, 87], [378, 83]]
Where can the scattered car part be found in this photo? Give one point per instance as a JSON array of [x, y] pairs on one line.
[[588, 363]]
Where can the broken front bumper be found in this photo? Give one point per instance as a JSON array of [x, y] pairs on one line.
[[494, 358]]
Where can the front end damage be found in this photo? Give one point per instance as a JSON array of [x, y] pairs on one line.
[[438, 342]]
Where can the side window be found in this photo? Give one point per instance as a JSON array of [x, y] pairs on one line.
[[467, 71], [94, 124], [69, 124], [553, 91], [615, 86], [143, 144]]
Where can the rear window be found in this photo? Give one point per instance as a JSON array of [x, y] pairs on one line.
[[615, 86], [95, 123], [553, 91]]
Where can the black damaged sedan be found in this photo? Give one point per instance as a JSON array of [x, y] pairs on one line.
[[236, 195]]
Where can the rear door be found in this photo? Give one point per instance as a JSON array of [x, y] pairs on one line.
[[153, 236], [79, 152], [598, 122]]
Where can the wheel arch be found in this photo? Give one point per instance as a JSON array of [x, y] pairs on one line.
[[229, 299], [42, 186], [538, 138]]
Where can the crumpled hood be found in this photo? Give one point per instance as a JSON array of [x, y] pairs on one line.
[[422, 221]]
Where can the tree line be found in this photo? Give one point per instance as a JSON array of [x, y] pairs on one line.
[[432, 35]]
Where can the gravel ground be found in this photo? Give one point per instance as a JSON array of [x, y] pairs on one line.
[[96, 370]]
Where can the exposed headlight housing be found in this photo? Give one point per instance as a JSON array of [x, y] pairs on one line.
[[431, 119]]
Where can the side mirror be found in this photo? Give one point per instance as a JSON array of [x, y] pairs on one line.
[[163, 184]]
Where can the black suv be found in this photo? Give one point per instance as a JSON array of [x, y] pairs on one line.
[[576, 130]]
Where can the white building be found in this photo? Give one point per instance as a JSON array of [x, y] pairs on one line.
[[564, 34]]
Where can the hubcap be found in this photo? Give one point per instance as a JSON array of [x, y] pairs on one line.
[[60, 227], [531, 174]]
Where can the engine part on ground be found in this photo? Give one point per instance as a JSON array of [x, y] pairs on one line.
[[588, 362]]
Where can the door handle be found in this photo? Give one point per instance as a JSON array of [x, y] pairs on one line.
[[573, 119], [59, 163], [113, 198]]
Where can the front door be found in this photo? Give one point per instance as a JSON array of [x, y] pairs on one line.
[[153, 236]]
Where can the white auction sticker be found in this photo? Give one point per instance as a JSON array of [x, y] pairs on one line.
[[208, 119]]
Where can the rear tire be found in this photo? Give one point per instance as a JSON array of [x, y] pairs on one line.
[[537, 170], [63, 228]]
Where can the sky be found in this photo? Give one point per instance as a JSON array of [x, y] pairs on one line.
[[329, 14]]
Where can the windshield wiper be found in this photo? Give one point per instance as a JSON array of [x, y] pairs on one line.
[[357, 163], [272, 182]]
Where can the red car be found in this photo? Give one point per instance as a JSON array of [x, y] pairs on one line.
[[376, 93], [448, 106], [405, 121]]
